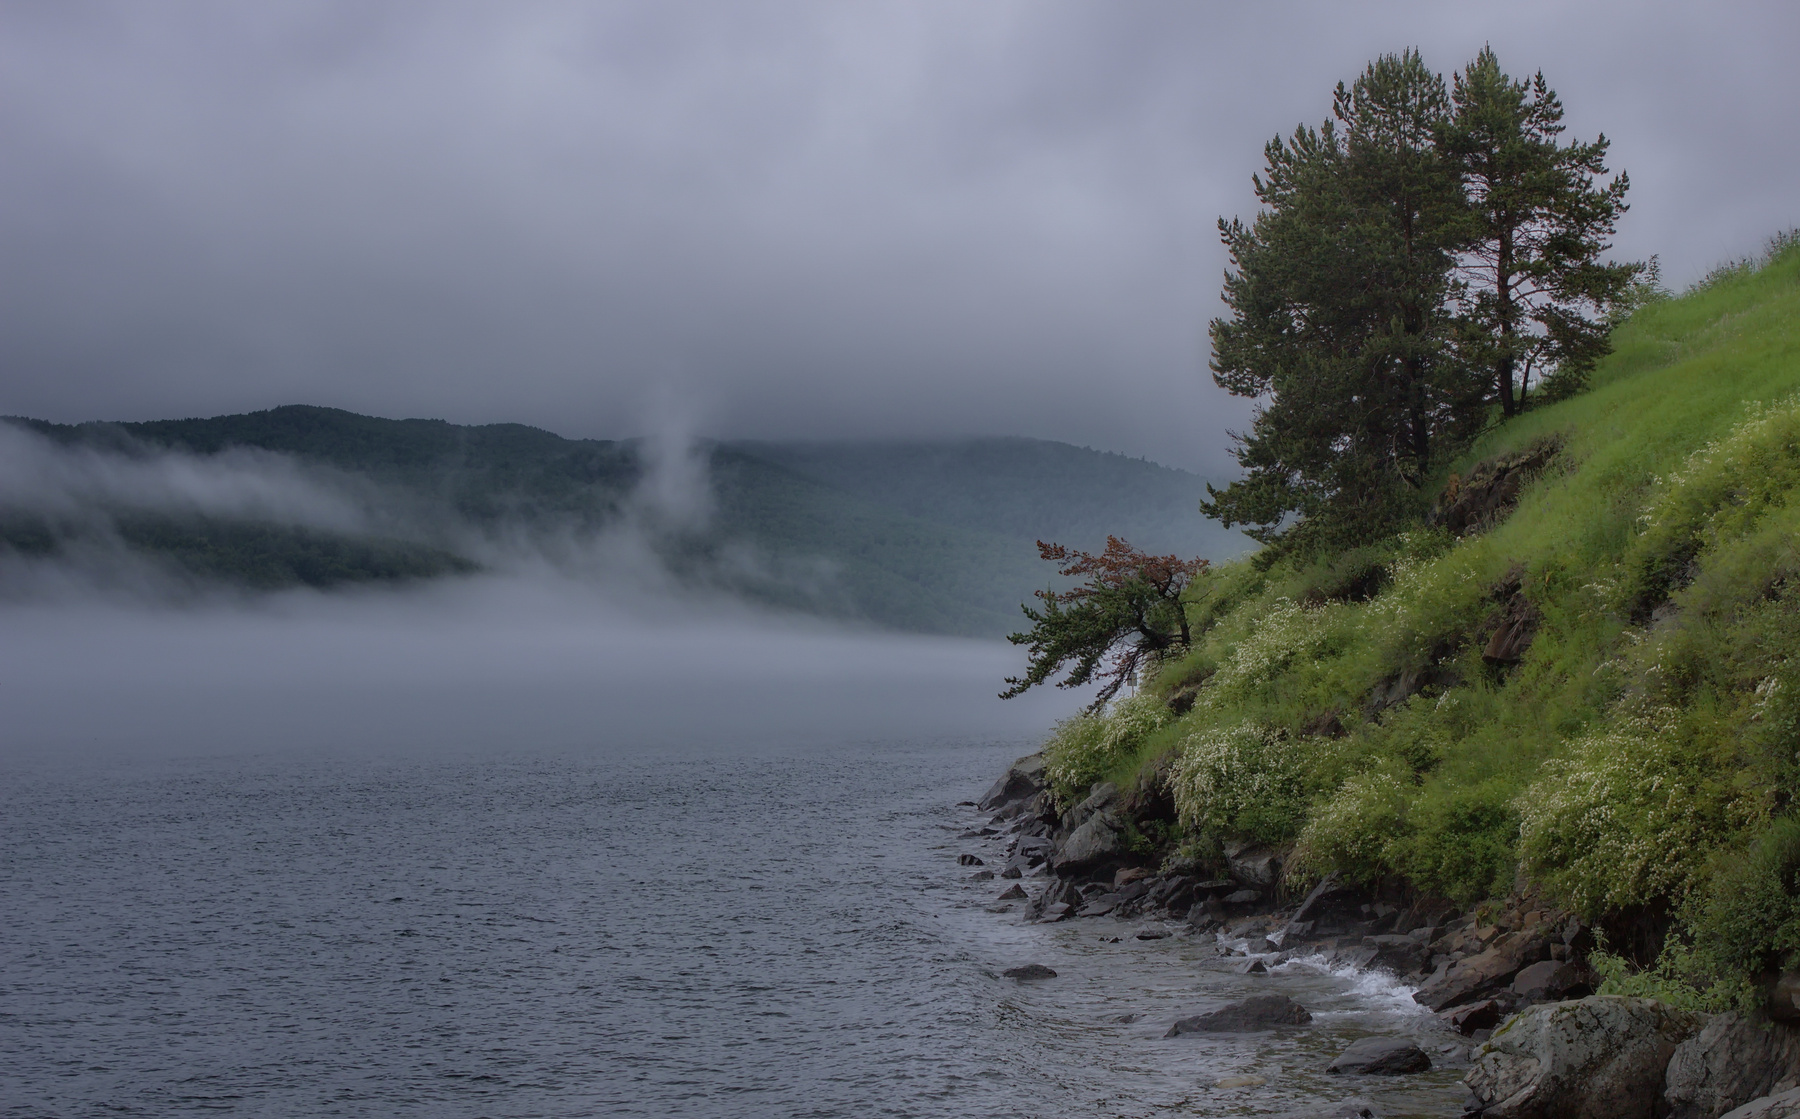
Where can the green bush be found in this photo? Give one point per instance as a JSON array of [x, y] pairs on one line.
[[1354, 831], [1086, 748], [1748, 920], [1240, 782]]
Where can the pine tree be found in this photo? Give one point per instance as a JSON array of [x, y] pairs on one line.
[[1343, 323], [1538, 294]]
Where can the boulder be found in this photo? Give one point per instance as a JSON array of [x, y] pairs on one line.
[[1401, 955], [1099, 906], [1021, 782], [1731, 1061], [1029, 971], [1465, 1020], [1381, 1056], [1786, 1105], [1253, 866], [1601, 1057], [970, 860], [1097, 840], [1553, 981], [1468, 979], [1013, 893], [1259, 1012]]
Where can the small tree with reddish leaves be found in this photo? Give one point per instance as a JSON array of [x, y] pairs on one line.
[[1127, 609]]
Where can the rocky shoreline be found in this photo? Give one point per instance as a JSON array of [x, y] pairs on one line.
[[1511, 976]]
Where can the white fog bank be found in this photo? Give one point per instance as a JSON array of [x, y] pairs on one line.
[[478, 664]]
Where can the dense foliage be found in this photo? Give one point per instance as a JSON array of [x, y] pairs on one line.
[[1418, 256], [1635, 751]]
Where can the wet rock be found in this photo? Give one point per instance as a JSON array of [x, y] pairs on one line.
[[1151, 934], [1465, 1020], [1056, 911], [1381, 1056], [1125, 1019], [1243, 897], [1021, 782], [1029, 971], [1100, 906], [1259, 1012], [1731, 1061], [1466, 980], [1602, 1057], [1399, 954], [1013, 870], [969, 860], [982, 876], [1253, 966], [1098, 839], [1013, 893], [1784, 1105]]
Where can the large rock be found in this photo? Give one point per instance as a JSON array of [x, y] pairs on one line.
[[1259, 1012], [1731, 1061], [1022, 782], [1554, 981], [1785, 1105], [1097, 839], [1252, 865], [1601, 1057], [1381, 1056], [1470, 979]]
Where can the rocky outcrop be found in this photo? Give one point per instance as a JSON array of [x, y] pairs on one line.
[[1095, 839], [1730, 1062], [1259, 1012], [1467, 980], [1782, 1105], [1488, 494], [1020, 783], [1380, 1056], [1602, 1057]]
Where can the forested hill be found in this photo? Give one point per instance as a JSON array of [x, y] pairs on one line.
[[931, 537]]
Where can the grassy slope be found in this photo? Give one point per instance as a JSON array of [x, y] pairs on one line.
[[1626, 762]]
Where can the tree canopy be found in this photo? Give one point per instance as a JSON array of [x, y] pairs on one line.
[[1415, 255]]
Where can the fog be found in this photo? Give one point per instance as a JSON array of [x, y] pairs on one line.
[[507, 662], [565, 642]]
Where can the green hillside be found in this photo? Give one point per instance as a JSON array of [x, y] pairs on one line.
[[943, 545], [1596, 691]]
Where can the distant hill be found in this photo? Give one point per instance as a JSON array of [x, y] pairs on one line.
[[931, 537]]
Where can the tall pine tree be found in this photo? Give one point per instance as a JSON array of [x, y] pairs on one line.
[[1343, 315], [1538, 293]]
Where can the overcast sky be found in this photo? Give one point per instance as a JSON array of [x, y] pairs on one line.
[[806, 219]]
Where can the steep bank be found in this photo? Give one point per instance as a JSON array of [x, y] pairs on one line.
[[1540, 746]]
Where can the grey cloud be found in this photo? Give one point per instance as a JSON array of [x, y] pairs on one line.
[[822, 219]]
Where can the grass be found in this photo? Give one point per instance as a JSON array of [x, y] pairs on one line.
[[1650, 733]]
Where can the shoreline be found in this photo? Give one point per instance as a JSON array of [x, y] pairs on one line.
[[1505, 987]]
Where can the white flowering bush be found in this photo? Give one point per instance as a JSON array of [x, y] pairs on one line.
[[1085, 748], [1243, 781], [1351, 832], [1625, 817], [1285, 632]]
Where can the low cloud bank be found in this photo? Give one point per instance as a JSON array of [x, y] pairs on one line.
[[492, 663]]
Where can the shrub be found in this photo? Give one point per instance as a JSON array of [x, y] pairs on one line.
[[1748, 920], [1626, 818], [1353, 831], [1085, 748], [1459, 842], [1242, 781]]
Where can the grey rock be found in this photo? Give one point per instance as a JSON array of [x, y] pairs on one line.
[[1029, 971], [969, 860], [982, 876], [1253, 966], [1352, 1108], [1381, 1056], [1151, 934], [1094, 843], [1100, 906], [1730, 1062], [1243, 897], [1253, 866], [1021, 782], [1785, 1105], [1469, 979], [1056, 911], [1012, 893], [1553, 980], [1259, 1012], [1012, 870], [1601, 1057]]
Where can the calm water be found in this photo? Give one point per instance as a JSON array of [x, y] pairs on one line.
[[719, 931]]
